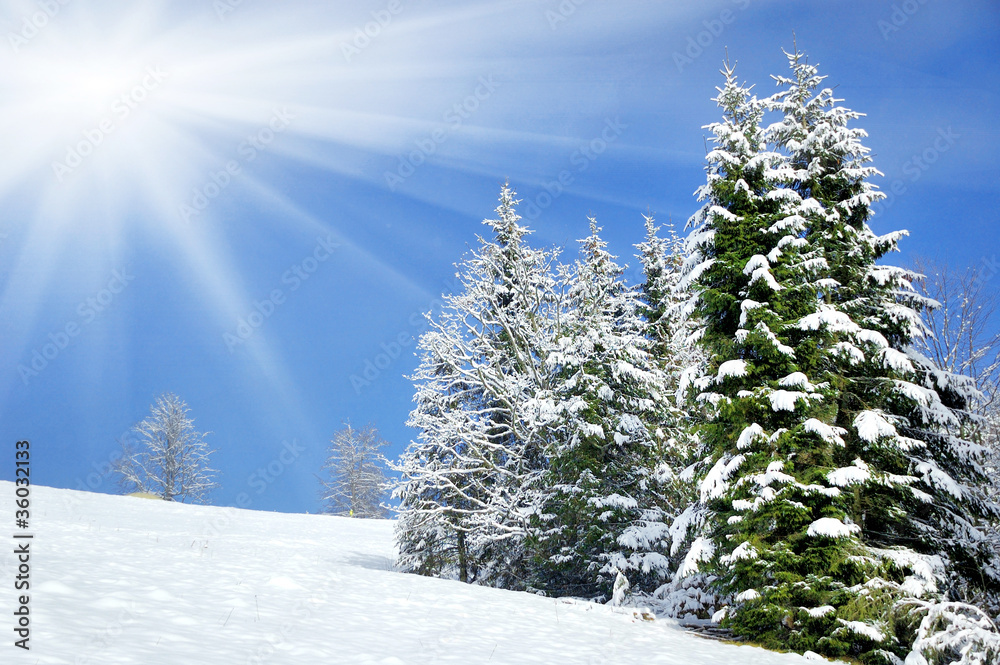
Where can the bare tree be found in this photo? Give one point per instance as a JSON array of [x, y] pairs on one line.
[[357, 484], [166, 456], [965, 339]]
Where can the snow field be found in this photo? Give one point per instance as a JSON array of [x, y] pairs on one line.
[[122, 580]]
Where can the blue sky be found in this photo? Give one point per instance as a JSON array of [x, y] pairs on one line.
[[170, 169]]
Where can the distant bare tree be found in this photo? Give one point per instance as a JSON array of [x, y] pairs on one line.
[[166, 456], [357, 484], [966, 339]]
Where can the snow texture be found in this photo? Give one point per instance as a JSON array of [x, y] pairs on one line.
[[748, 435], [732, 368], [796, 380], [872, 426], [963, 632], [864, 630], [826, 432], [765, 275], [714, 485], [831, 527], [125, 581], [745, 551], [832, 320], [850, 475], [784, 400], [702, 549]]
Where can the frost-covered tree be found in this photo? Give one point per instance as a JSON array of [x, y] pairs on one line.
[[963, 339], [356, 483], [960, 357], [664, 298], [468, 479], [952, 633], [666, 305], [602, 508], [166, 456], [831, 473], [439, 489], [661, 260]]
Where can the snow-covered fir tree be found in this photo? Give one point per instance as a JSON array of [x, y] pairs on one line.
[[665, 306], [929, 410], [767, 526], [826, 473], [664, 298], [661, 260], [467, 482], [963, 346], [602, 507]]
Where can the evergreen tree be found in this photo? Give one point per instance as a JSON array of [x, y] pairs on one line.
[[664, 298], [838, 490], [601, 514], [480, 453], [661, 260], [438, 490], [929, 411], [829, 482], [776, 533]]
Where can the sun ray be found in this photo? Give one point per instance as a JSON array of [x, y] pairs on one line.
[[122, 120]]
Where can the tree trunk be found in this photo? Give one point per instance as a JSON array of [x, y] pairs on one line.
[[463, 559]]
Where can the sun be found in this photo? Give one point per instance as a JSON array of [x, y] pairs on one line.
[[69, 95], [92, 84], [120, 122], [98, 97]]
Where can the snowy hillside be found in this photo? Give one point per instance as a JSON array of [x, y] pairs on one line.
[[130, 580]]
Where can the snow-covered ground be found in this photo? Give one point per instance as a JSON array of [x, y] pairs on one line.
[[131, 580]]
